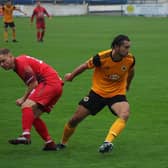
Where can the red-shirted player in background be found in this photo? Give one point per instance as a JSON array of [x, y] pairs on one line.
[[39, 12], [44, 88]]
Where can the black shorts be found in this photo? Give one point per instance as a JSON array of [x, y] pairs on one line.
[[94, 102], [11, 24]]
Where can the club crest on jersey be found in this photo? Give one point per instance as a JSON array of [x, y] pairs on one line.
[[123, 68], [86, 99]]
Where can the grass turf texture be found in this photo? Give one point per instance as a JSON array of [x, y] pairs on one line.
[[68, 42]]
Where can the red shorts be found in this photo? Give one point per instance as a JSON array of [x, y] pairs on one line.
[[46, 95], [40, 25]]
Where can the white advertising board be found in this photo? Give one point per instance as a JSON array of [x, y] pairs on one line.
[[146, 9]]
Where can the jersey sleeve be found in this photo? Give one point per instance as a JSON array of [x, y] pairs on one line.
[[28, 75], [33, 15], [133, 63], [94, 62], [45, 11]]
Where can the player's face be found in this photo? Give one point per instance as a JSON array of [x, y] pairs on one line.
[[6, 62], [8, 3], [38, 3], [124, 48]]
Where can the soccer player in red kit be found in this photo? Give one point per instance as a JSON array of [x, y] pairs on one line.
[[39, 12], [44, 88]]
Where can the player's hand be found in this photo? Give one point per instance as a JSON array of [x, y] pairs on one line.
[[68, 77], [19, 101]]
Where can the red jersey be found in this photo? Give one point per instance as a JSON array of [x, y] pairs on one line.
[[30, 69], [39, 12]]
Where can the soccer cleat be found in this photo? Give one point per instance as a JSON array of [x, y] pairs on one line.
[[106, 147], [61, 146], [20, 140], [50, 146], [15, 41], [40, 40]]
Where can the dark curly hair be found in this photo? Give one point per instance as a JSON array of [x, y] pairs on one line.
[[118, 40], [4, 51]]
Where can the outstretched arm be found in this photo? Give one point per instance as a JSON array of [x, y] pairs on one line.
[[75, 72], [18, 9]]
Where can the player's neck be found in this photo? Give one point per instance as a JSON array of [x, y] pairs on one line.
[[115, 56]]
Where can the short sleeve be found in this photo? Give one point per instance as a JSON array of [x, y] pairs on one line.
[[94, 62]]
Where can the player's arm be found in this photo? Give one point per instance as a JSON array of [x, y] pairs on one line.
[[32, 17], [47, 14], [131, 74], [19, 10], [31, 82], [91, 63], [76, 72], [29, 89]]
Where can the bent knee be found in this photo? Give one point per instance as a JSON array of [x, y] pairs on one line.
[[124, 115], [24, 105], [28, 103]]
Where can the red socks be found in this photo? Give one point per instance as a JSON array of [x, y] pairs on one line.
[[42, 34], [38, 35], [41, 128], [27, 120]]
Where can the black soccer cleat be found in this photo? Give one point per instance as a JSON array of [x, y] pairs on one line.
[[61, 146], [106, 147], [14, 41], [20, 140]]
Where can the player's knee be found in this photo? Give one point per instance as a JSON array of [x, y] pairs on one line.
[[124, 115], [24, 105], [29, 103]]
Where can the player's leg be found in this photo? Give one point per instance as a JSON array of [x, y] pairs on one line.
[[31, 116], [42, 130], [12, 25], [89, 105], [42, 31], [122, 110], [27, 122], [38, 34], [6, 32], [42, 34], [39, 31], [49, 95], [47, 99], [70, 127]]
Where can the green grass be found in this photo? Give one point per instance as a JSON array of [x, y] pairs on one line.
[[70, 41]]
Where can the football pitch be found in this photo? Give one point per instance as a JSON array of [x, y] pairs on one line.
[[68, 42]]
